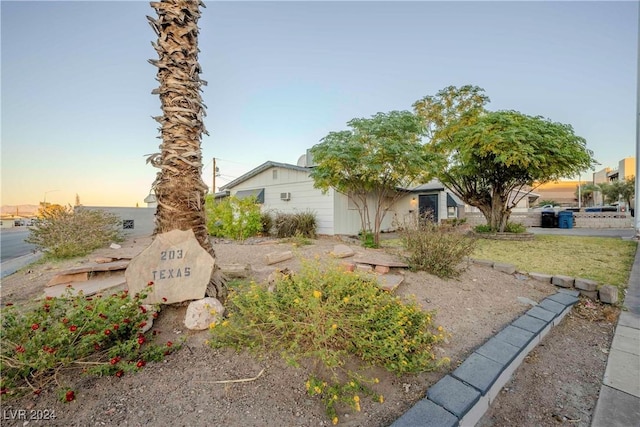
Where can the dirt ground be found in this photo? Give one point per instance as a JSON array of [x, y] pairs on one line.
[[559, 383]]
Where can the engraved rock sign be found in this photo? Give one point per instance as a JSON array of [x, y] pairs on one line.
[[176, 264]]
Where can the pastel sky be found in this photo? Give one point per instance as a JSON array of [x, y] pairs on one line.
[[76, 86]]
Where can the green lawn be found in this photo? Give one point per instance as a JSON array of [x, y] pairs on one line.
[[605, 260]]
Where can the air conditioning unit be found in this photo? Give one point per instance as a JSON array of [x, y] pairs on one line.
[[285, 196]]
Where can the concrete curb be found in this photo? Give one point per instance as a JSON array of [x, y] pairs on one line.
[[7, 268], [462, 397]]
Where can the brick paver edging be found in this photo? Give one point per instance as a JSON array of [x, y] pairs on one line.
[[462, 397]]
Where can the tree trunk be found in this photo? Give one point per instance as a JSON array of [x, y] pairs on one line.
[[179, 188], [496, 214]]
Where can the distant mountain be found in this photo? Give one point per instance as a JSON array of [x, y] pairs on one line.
[[19, 210]]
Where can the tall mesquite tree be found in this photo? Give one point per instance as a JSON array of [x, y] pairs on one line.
[[179, 188], [494, 158]]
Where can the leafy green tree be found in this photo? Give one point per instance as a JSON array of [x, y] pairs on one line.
[[628, 190], [371, 161], [493, 159], [619, 190]]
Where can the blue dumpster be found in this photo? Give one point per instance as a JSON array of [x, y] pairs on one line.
[[565, 219]]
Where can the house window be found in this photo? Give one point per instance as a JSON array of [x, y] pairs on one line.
[[351, 205], [258, 193], [275, 174], [127, 224]]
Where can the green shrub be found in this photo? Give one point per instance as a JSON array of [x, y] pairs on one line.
[[299, 240], [100, 335], [368, 239], [482, 228], [435, 249], [66, 233], [267, 223], [328, 316], [511, 227], [233, 218], [296, 224], [515, 227]]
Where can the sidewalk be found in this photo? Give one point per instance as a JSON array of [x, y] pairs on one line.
[[619, 401]]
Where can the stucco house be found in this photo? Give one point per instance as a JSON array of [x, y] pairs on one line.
[[287, 188]]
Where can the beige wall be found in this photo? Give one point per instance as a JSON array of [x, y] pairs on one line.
[[627, 168], [7, 223], [562, 192], [143, 218]]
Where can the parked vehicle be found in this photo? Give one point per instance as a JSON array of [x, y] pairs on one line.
[[546, 208], [601, 209]]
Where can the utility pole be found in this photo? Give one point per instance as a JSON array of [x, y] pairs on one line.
[[579, 191], [637, 189], [215, 172]]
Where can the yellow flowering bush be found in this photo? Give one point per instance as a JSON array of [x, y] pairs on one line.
[[329, 315]]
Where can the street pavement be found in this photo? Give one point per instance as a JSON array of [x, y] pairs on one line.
[[12, 244]]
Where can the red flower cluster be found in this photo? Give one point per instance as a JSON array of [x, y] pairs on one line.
[[34, 327], [70, 396], [19, 349], [107, 331], [141, 339], [115, 360], [48, 349], [140, 363], [142, 309], [119, 373], [150, 283], [102, 316], [73, 328]]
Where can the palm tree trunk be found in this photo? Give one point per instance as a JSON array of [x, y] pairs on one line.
[[179, 188]]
